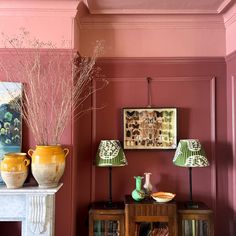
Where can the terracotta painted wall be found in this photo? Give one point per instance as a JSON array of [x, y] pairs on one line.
[[231, 108], [54, 22], [185, 83], [64, 198], [197, 87]]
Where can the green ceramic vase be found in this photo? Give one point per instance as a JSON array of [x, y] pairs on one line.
[[138, 194]]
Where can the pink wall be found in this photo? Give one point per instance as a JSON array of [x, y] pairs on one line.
[[41, 19], [230, 32], [64, 198], [187, 84], [196, 86], [231, 101]]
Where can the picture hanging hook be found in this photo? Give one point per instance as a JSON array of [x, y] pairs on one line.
[[149, 79]]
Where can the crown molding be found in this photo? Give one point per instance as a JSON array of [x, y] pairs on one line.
[[151, 22], [230, 20], [151, 11], [222, 7], [230, 16], [38, 8]]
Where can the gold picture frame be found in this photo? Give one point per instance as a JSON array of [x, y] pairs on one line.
[[150, 128]]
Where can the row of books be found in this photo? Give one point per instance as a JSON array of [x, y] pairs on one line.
[[194, 227], [189, 227], [106, 228]]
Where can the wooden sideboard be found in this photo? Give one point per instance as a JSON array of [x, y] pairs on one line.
[[147, 217]]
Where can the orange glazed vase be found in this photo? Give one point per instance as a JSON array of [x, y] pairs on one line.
[[14, 169], [48, 164]]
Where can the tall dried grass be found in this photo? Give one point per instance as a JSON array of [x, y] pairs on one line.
[[56, 83]]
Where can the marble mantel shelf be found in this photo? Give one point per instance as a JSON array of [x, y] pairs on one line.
[[33, 206], [29, 190]]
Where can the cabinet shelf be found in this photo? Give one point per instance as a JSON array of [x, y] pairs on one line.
[[105, 220], [148, 217], [197, 222]]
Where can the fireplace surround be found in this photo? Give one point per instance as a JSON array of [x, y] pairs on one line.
[[34, 207]]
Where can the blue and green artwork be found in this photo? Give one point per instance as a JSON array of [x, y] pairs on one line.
[[10, 118]]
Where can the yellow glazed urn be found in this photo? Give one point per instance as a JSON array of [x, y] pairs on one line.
[[48, 164], [14, 169]]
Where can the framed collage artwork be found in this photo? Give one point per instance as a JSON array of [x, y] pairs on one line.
[[10, 119], [150, 128]]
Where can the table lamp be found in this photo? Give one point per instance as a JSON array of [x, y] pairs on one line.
[[110, 154], [190, 153]]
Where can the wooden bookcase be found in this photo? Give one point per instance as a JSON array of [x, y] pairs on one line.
[[149, 217], [197, 222], [105, 220]]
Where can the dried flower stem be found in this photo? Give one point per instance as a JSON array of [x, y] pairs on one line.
[[57, 82]]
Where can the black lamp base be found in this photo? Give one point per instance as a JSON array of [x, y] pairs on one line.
[[110, 205], [192, 205]]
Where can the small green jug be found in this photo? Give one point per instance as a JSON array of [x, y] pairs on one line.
[[138, 194]]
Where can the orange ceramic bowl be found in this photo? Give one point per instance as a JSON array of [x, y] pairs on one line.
[[163, 196]]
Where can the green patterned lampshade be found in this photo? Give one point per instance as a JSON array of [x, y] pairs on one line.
[[190, 153], [110, 154]]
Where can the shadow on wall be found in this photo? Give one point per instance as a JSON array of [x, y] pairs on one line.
[[82, 222], [162, 186]]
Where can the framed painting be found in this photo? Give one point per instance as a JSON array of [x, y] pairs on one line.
[[10, 118], [150, 128]]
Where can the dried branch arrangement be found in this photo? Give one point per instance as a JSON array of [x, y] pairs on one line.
[[56, 83]]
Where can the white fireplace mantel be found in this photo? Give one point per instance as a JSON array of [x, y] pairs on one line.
[[33, 206]]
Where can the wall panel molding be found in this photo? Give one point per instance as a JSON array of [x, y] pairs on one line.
[[162, 79], [93, 141], [233, 109], [213, 142], [160, 60], [212, 101]]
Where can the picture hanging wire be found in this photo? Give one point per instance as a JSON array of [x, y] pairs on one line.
[[149, 79]]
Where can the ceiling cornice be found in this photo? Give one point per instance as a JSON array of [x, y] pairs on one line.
[[230, 16], [151, 22], [38, 8], [150, 11], [230, 20], [223, 6]]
